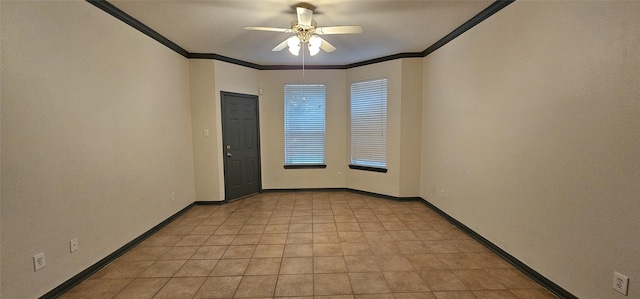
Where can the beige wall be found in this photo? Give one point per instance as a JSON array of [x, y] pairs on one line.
[[0, 152], [274, 176], [208, 78], [404, 101], [231, 78], [403, 129], [531, 124], [208, 160], [376, 182], [205, 115], [410, 128], [96, 135]]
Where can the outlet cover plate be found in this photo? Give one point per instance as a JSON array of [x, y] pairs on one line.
[[620, 283], [38, 261]]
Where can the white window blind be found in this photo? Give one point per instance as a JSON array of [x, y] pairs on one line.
[[304, 124], [369, 123]]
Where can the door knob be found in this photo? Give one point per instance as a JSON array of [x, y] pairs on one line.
[[228, 154]]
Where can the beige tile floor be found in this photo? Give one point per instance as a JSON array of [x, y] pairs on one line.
[[309, 245]]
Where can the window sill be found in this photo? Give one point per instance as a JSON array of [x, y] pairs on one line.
[[368, 168], [305, 166]]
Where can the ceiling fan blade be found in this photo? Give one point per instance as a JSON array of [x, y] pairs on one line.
[[286, 30], [326, 46], [339, 30], [304, 16], [280, 46]]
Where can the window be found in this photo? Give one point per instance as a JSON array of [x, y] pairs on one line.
[[369, 125], [304, 125]]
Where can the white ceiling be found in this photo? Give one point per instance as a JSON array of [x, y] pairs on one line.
[[217, 27]]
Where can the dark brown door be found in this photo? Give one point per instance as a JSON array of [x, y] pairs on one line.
[[241, 145]]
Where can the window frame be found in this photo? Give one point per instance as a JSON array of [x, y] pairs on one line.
[[363, 166], [288, 164]]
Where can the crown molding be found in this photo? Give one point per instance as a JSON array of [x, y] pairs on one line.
[[133, 22], [223, 58], [477, 19]]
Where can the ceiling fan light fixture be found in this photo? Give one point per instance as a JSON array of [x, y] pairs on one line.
[[294, 45], [295, 50], [315, 41], [313, 50], [306, 31], [293, 42]]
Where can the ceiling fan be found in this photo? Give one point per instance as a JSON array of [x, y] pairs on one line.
[[307, 31]]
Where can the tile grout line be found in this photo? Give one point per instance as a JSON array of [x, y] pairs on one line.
[[241, 209]]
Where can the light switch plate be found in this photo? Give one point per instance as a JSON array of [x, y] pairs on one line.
[[73, 245]]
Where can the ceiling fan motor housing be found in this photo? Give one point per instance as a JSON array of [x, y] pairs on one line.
[[304, 32]]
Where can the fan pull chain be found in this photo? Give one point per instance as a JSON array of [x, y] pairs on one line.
[[304, 99]]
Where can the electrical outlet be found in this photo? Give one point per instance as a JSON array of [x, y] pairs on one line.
[[173, 196], [620, 283], [38, 261], [442, 193], [73, 245]]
